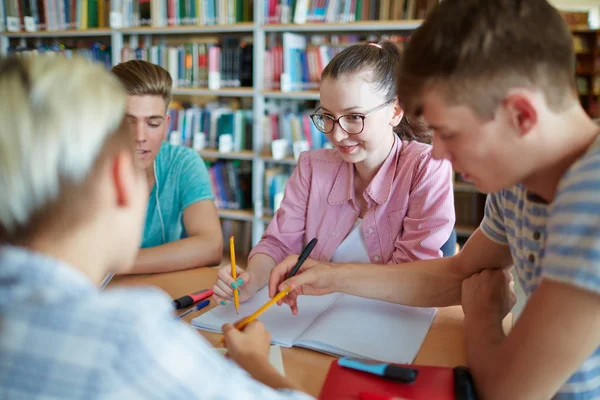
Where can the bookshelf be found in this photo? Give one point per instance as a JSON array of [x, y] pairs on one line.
[[586, 43], [259, 32]]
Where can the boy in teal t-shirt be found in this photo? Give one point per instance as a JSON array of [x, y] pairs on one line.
[[182, 227]]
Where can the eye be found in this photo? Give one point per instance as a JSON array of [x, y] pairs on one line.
[[154, 124], [354, 117]]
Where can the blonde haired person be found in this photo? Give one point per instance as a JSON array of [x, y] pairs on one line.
[[71, 211], [182, 227]]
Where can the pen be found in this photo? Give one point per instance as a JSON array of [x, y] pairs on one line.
[[303, 256], [236, 295], [190, 299], [197, 307]]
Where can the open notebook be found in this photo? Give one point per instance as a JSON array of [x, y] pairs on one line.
[[336, 324]]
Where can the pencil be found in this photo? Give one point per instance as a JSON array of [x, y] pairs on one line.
[[236, 296], [241, 324]]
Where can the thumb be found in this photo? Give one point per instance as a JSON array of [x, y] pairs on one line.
[[245, 277]]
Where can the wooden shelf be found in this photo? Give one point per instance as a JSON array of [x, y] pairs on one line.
[[61, 33], [360, 26], [242, 27], [225, 92], [299, 95], [237, 215], [235, 155]]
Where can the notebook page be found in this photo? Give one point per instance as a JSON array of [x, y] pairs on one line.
[[370, 329], [284, 326]]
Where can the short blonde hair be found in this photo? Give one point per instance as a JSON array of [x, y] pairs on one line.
[[142, 78], [57, 116]]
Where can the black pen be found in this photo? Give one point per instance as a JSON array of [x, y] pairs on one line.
[[303, 256]]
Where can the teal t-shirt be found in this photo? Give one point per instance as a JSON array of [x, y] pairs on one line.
[[182, 181]]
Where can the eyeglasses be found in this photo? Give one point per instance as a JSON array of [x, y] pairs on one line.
[[352, 124]]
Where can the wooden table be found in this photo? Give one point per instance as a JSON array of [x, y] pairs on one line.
[[444, 345]]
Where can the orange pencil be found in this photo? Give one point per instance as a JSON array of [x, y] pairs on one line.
[[241, 324], [236, 296]]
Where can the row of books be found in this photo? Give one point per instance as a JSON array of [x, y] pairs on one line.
[[274, 187], [330, 11], [52, 15], [211, 122], [286, 121], [296, 61], [231, 183], [96, 52], [224, 64]]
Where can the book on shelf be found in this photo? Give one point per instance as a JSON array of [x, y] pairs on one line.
[[204, 127], [274, 188], [92, 51], [225, 64], [294, 62], [344, 11], [231, 183], [161, 13], [469, 208]]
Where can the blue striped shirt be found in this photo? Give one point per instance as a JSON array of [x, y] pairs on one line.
[[62, 339], [560, 241]]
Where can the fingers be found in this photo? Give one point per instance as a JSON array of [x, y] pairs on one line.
[[224, 286], [279, 273]]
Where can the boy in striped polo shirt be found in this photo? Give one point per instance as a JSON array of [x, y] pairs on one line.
[[494, 79]]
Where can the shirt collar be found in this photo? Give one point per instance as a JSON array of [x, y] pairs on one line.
[[380, 188]]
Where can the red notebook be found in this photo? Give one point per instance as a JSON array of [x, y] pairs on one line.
[[435, 383]]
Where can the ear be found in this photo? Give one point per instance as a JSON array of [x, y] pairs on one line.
[[522, 112], [397, 114], [124, 178]]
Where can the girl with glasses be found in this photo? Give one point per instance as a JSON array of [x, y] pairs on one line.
[[377, 197]]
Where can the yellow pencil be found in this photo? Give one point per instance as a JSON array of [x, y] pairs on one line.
[[236, 296], [241, 324]]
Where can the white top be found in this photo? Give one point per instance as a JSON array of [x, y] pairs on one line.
[[353, 248]]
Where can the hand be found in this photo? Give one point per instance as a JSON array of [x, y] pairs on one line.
[[223, 287], [249, 348], [488, 294], [313, 279]]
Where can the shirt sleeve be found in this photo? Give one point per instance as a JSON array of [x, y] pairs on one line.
[[284, 234], [193, 180], [430, 216], [572, 253], [162, 358], [492, 225]]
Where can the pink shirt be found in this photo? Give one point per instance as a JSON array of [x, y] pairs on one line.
[[410, 207]]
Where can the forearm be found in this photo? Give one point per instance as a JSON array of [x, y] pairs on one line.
[[432, 283], [186, 253], [484, 340], [259, 267]]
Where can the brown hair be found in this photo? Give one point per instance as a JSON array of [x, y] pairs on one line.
[[474, 52], [382, 60], [142, 78]]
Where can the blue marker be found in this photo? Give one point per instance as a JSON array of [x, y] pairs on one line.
[[197, 307], [385, 370]]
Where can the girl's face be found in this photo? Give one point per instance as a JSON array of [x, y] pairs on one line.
[[353, 97]]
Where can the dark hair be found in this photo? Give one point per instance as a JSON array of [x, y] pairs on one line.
[[474, 52], [144, 78], [383, 60]]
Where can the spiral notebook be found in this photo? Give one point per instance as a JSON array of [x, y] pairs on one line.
[[337, 324]]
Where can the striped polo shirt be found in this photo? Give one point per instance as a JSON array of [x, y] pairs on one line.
[[559, 241]]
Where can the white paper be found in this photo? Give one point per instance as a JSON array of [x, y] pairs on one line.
[[354, 326], [284, 326]]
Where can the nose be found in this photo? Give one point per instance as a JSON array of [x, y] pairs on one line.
[[338, 134], [139, 133]]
